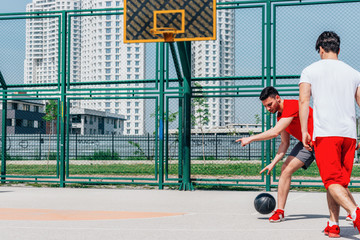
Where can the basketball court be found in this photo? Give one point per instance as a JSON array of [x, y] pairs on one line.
[[54, 213], [31, 213]]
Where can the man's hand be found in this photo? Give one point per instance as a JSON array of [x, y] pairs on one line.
[[268, 167], [357, 146], [244, 141], [306, 140]]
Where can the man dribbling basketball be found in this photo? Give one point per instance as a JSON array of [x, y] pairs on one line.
[[288, 124]]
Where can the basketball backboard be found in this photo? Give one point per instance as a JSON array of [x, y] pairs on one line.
[[189, 20]]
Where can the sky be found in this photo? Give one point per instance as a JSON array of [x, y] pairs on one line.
[[8, 6], [297, 28], [13, 43]]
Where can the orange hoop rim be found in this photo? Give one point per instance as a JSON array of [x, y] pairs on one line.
[[167, 34], [163, 30]]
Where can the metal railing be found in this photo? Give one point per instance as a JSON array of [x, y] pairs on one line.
[[267, 49]]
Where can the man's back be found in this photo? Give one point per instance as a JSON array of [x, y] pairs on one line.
[[333, 88]]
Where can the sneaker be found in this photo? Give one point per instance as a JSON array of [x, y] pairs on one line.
[[349, 218], [332, 232], [278, 216], [356, 222]]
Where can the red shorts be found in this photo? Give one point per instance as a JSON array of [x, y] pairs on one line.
[[335, 159]]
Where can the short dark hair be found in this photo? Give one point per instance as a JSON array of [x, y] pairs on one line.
[[268, 92], [329, 41]]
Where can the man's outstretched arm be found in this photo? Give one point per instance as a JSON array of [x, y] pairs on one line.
[[280, 126], [284, 145], [304, 102]]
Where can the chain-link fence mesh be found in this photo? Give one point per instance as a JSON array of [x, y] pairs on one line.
[[13, 50], [296, 47], [113, 96], [32, 139]]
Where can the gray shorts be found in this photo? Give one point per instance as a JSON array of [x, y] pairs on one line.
[[306, 156]]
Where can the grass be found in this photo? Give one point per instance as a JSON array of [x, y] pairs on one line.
[[207, 169]]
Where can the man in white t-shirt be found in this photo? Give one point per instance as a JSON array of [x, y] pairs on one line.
[[334, 86]]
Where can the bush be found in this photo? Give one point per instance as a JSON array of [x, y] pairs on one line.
[[101, 155]]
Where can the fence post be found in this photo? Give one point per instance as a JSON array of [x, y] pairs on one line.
[[4, 134], [161, 116], [148, 146], [184, 49], [63, 106], [268, 83], [76, 143], [40, 146], [112, 146], [216, 146]]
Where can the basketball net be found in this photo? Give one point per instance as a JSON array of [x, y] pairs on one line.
[[167, 34]]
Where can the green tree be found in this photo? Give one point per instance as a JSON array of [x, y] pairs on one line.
[[51, 114], [201, 116]]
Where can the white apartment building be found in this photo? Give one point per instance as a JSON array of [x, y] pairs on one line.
[[97, 54], [217, 59], [105, 57], [42, 41]]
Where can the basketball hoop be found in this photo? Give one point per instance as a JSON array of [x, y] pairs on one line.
[[167, 34], [169, 20]]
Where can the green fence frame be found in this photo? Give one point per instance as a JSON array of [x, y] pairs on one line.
[[65, 91]]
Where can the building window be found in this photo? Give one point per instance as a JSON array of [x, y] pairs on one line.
[[8, 122], [25, 122], [26, 107], [76, 119], [18, 122], [30, 123], [14, 106]]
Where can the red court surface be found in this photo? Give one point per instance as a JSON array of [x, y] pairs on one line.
[[74, 215]]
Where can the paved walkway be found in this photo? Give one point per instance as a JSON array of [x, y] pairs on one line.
[[28, 213]]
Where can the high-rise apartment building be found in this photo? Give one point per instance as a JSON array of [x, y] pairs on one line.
[[216, 59], [105, 57], [42, 42], [97, 46]]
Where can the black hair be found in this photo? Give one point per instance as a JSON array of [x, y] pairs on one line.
[[268, 92], [329, 41]]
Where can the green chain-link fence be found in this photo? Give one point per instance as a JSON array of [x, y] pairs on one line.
[[80, 106]]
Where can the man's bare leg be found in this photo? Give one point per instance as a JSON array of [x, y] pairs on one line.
[[334, 208], [288, 168], [342, 197], [351, 197]]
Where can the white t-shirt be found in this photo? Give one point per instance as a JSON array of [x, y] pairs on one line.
[[333, 89]]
